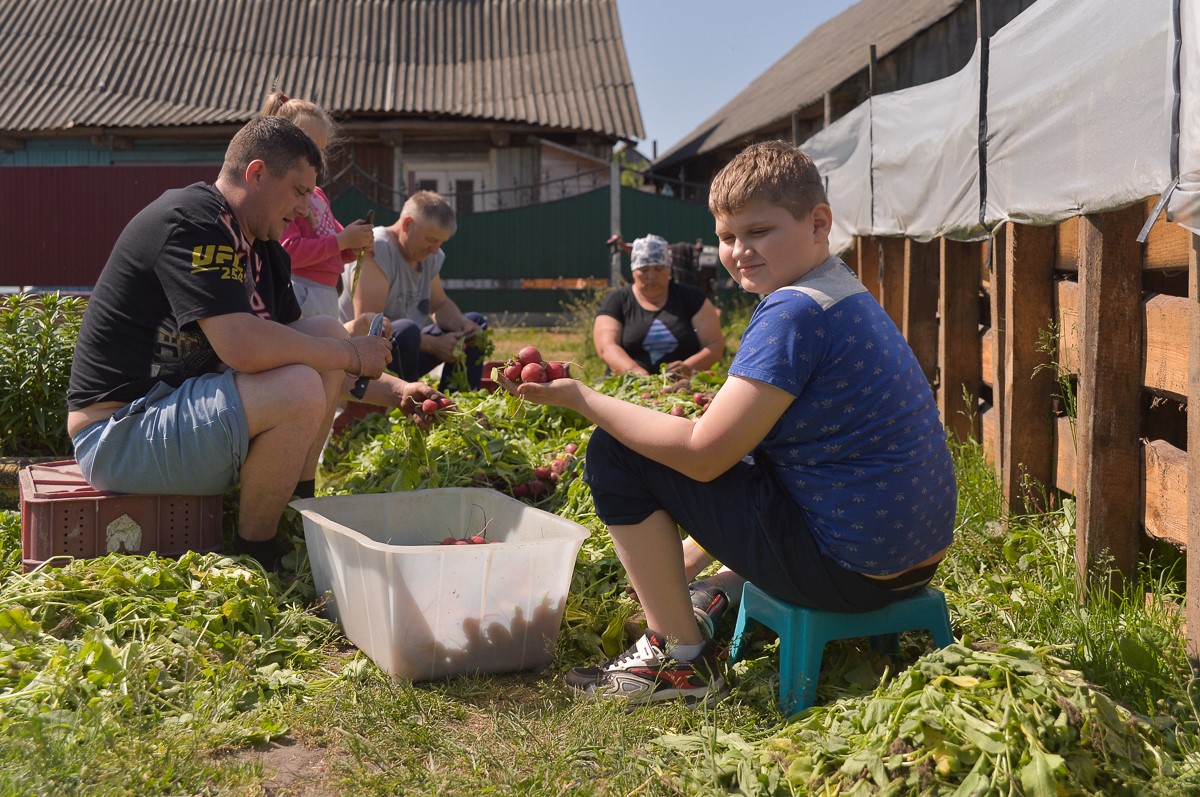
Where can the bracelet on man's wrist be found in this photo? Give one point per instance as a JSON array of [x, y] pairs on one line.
[[358, 355]]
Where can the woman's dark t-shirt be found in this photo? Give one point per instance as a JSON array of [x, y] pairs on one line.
[[654, 337]]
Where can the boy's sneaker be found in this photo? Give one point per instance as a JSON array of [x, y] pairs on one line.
[[709, 605], [646, 674]]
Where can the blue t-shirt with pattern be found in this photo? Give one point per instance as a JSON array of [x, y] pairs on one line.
[[861, 449]]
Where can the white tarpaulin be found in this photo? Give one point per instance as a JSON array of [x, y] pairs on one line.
[[842, 153], [1185, 203], [927, 158], [1080, 109]]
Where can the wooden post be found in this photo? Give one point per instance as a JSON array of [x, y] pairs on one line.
[[1193, 456], [868, 265], [891, 278], [1027, 434], [959, 346], [921, 277], [1110, 387], [998, 299]]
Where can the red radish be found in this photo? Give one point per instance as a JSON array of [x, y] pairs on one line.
[[647, 396], [571, 448], [521, 490], [450, 541], [461, 542], [445, 402], [555, 370], [528, 355], [429, 406], [536, 487], [533, 372], [541, 472], [678, 411], [513, 372], [558, 466], [700, 398], [477, 540]]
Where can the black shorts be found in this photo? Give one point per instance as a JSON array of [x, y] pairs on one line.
[[743, 518]]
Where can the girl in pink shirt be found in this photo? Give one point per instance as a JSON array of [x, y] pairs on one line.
[[318, 245]]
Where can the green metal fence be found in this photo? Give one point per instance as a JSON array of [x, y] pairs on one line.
[[497, 249]]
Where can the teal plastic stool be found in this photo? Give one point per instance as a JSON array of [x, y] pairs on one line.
[[803, 633]]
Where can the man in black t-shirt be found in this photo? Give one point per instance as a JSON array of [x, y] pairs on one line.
[[194, 371]]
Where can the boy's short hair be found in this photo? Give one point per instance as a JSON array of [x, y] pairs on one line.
[[430, 207], [774, 172], [275, 141]]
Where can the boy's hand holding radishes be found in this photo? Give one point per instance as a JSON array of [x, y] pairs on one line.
[[530, 377]]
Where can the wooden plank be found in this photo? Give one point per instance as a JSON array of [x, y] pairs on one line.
[[1066, 457], [920, 313], [987, 356], [997, 299], [1167, 245], [988, 421], [891, 278], [960, 359], [1165, 340], [1026, 433], [1166, 344], [850, 256], [1066, 249], [1164, 492], [1066, 321], [1193, 467], [1109, 515], [868, 265]]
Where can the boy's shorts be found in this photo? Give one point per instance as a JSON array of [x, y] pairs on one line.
[[744, 518], [189, 440]]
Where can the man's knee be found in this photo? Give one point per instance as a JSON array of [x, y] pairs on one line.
[[320, 326], [288, 394]]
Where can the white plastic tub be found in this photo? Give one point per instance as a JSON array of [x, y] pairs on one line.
[[422, 610]]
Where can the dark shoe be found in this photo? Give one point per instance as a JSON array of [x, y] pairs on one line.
[[646, 674], [709, 605], [268, 553]]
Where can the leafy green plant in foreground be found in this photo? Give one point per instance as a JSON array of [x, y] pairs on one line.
[[37, 343]]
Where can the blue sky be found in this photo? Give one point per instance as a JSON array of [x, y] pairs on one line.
[[690, 57]]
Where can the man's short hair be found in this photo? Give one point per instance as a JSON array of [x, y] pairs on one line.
[[273, 140], [429, 207], [774, 172]]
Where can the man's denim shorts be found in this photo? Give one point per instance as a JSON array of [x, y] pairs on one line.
[[189, 440]]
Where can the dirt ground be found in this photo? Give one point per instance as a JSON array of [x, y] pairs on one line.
[[292, 769]]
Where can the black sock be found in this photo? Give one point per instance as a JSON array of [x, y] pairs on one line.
[[305, 488]]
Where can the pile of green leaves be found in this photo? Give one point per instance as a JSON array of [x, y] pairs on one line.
[[37, 343], [202, 643], [994, 720]]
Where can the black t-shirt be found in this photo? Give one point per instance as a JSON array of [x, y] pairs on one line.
[[653, 337], [181, 259]]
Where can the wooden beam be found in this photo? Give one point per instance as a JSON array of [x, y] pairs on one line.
[[1110, 387], [1166, 247], [828, 109], [1193, 481], [850, 257], [1065, 455], [921, 294], [11, 143], [1165, 492], [998, 299], [891, 278], [868, 265], [960, 361], [1027, 448]]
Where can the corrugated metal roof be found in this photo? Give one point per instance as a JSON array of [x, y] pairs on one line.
[[832, 53], [150, 63]]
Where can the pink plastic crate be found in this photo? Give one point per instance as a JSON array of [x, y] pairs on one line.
[[63, 515]]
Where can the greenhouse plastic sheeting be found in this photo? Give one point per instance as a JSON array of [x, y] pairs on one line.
[[927, 158], [842, 153], [1080, 106], [1185, 203]]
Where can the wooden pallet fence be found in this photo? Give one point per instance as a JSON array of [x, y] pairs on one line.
[[1122, 318]]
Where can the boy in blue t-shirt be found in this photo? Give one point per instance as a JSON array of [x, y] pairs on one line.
[[820, 471]]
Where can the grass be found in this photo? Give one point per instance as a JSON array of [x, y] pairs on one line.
[[259, 698]]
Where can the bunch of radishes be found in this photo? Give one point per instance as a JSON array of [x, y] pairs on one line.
[[528, 366], [432, 407]]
